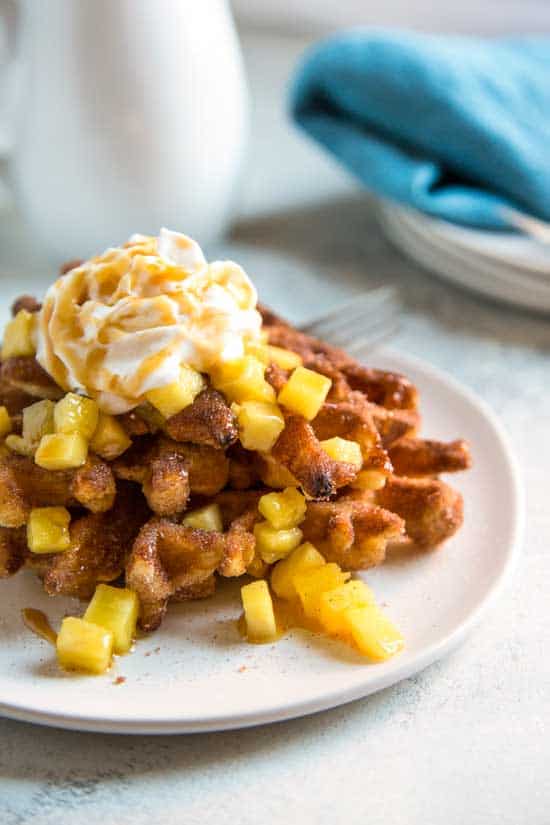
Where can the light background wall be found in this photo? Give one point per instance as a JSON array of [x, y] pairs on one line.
[[492, 17]]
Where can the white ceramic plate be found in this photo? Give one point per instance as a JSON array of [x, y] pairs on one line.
[[504, 266], [196, 674]]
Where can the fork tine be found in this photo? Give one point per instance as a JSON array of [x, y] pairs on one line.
[[363, 305], [374, 336], [356, 338], [359, 323]]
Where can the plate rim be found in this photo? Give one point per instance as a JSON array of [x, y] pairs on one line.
[[391, 675], [496, 287]]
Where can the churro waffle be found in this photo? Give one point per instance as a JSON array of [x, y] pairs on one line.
[[132, 508]]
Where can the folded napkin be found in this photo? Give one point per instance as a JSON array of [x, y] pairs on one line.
[[457, 127]]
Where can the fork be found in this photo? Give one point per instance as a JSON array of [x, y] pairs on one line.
[[527, 224], [362, 322]]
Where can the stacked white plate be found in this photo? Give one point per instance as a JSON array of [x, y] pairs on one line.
[[501, 265]]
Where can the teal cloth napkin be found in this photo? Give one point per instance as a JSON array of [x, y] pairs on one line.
[[457, 127]]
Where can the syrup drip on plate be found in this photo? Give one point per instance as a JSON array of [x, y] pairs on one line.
[[38, 622]]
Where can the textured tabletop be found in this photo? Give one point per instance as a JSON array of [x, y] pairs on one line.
[[467, 741]]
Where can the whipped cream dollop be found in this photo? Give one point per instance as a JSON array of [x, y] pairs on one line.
[[124, 322]]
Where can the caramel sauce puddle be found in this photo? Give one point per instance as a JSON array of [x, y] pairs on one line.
[[38, 622]]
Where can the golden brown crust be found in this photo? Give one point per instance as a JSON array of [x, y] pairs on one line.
[[24, 485], [100, 544], [13, 549], [239, 544], [353, 420], [420, 457], [26, 302], [24, 373], [167, 559], [208, 420], [353, 533], [68, 265], [201, 590], [243, 472], [134, 424], [162, 472], [394, 424], [431, 509], [93, 485], [298, 449]]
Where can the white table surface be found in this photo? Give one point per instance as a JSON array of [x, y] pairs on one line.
[[465, 742]]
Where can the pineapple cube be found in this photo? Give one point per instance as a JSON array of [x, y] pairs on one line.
[[284, 358], [283, 510], [260, 425], [369, 480], [115, 609], [258, 612], [274, 474], [305, 557], [17, 444], [110, 439], [5, 422], [243, 380], [272, 544], [373, 633], [61, 451], [304, 393], [48, 530], [76, 414], [174, 397], [333, 604], [206, 518], [19, 335], [38, 420], [340, 449], [82, 645], [312, 583], [257, 567]]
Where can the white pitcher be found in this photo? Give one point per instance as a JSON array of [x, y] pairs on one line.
[[131, 116]]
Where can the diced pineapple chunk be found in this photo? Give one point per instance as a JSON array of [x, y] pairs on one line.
[[272, 544], [38, 420], [206, 518], [110, 439], [263, 336], [283, 510], [311, 584], [284, 358], [5, 422], [260, 425], [257, 567], [19, 335], [48, 530], [76, 414], [305, 557], [373, 633], [82, 645], [61, 451], [17, 444], [258, 612], [115, 609], [304, 393], [340, 449], [369, 480], [243, 380], [334, 603], [274, 474], [175, 397]]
